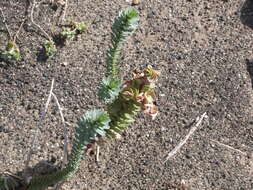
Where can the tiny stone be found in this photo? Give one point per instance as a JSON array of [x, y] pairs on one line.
[[64, 63], [136, 2]]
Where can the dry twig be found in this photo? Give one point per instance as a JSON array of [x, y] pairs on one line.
[[43, 114], [65, 10], [16, 35], [229, 147], [6, 26], [97, 153], [192, 130], [65, 157], [31, 16]]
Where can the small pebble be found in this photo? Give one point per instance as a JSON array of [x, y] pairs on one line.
[[136, 2], [64, 63]]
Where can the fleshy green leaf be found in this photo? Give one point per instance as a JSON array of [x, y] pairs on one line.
[[109, 89], [50, 48], [67, 33], [11, 52], [92, 124], [80, 26], [123, 26]]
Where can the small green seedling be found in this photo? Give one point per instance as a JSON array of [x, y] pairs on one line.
[[11, 52], [80, 26], [73, 29], [67, 33], [49, 48]]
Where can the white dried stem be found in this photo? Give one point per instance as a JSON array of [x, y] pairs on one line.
[[31, 16], [97, 153], [65, 10], [6, 25], [191, 132], [43, 114], [65, 149], [65, 157], [16, 35], [229, 147]]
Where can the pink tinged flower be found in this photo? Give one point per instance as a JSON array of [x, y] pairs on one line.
[[151, 110], [140, 97], [152, 74], [128, 93], [154, 112], [126, 84], [137, 74]]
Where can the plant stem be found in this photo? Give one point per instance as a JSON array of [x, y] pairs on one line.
[[42, 182]]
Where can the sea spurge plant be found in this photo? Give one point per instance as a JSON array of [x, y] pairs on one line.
[[136, 94], [124, 100], [91, 127], [123, 26], [141, 90], [11, 52], [121, 108]]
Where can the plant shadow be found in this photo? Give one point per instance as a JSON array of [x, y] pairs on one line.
[[41, 55], [5, 63], [246, 15], [44, 167], [249, 64]]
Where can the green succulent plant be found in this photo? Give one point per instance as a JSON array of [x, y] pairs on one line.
[[79, 26], [91, 127], [11, 52], [73, 30], [124, 99], [109, 89], [49, 48]]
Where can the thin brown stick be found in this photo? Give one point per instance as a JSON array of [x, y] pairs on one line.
[[16, 35], [65, 157], [43, 114], [6, 25], [192, 130], [229, 147], [31, 16]]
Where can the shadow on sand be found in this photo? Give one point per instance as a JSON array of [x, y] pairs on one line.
[[249, 64], [246, 15], [42, 168]]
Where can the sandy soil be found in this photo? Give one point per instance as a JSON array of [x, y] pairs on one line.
[[204, 50]]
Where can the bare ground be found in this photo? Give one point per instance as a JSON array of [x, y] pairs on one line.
[[204, 50]]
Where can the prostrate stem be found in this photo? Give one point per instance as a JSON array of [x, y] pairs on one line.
[[90, 127]]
